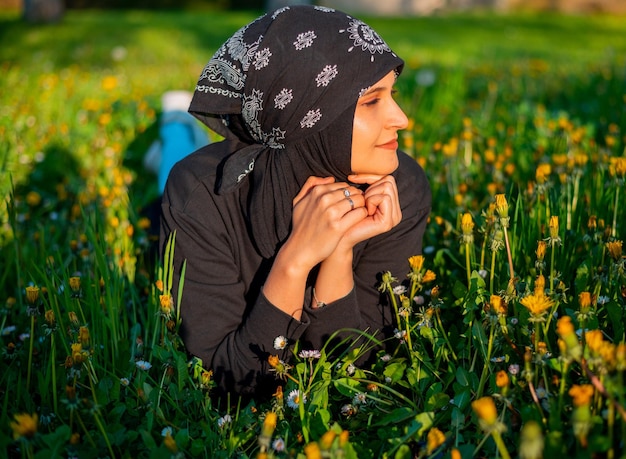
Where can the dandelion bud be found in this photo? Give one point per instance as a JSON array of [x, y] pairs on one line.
[[592, 223], [485, 409], [502, 379], [159, 285], [49, 316], [73, 317], [455, 454], [541, 250], [553, 226], [343, 438], [32, 294], [584, 300], [540, 285], [467, 223], [434, 439], [531, 441], [502, 207], [615, 250], [83, 336], [75, 283], [326, 442], [170, 443], [75, 439], [269, 424]]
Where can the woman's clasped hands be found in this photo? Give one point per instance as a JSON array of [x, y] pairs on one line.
[[330, 215]]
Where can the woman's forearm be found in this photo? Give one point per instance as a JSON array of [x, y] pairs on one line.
[[335, 277]]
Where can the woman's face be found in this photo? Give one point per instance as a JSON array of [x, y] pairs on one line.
[[377, 120]]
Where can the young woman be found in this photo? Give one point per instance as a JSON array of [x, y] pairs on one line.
[[287, 224]]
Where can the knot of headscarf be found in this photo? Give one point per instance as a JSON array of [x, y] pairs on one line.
[[286, 86]]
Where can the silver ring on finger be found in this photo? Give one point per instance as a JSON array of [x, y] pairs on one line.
[[351, 202], [346, 192]]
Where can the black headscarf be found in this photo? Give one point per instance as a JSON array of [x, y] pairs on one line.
[[286, 86]]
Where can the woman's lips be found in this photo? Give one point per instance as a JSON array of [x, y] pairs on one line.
[[391, 145]]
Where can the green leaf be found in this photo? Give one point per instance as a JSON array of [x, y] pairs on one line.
[[436, 401], [395, 371], [396, 416]]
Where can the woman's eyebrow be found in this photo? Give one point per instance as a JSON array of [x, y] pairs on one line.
[[374, 90]]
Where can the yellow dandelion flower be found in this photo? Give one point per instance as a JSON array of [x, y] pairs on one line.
[[75, 438], [416, 262], [581, 394], [594, 340], [33, 199], [205, 377], [592, 223], [617, 166], [32, 294], [485, 409], [24, 425], [167, 304], [467, 224], [542, 173], [536, 304], [455, 454], [109, 83], [279, 393], [434, 439], [312, 451], [429, 276], [615, 250], [608, 354], [497, 304]]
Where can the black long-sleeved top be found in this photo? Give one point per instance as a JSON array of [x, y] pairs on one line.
[[226, 319]]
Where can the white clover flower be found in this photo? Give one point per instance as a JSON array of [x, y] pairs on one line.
[[226, 419], [124, 382], [348, 410], [360, 399], [419, 300], [399, 289], [280, 342], [350, 369], [8, 330], [143, 365], [386, 358], [166, 431], [309, 354], [514, 369], [278, 445], [295, 398], [602, 300], [483, 273]]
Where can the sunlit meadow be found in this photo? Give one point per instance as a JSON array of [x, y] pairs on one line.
[[510, 327]]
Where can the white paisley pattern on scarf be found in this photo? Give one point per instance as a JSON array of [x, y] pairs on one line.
[[311, 118], [326, 75], [366, 38], [304, 40], [283, 98]]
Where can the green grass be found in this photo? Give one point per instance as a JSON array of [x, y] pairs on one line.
[[526, 107]]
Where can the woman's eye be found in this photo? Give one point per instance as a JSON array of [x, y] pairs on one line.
[[371, 102]]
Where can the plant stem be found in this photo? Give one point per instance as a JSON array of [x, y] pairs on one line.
[[30, 350], [500, 444], [483, 376]]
